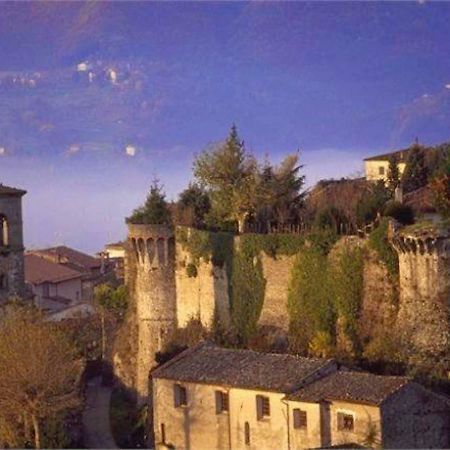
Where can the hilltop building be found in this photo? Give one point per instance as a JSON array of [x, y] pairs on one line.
[[376, 167], [12, 280], [215, 398]]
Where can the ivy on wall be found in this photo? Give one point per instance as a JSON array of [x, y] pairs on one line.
[[378, 240], [310, 306], [347, 287]]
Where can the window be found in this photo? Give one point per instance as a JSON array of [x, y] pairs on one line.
[[247, 433], [381, 170], [300, 418], [345, 421], [163, 433], [180, 395], [262, 407], [222, 402]]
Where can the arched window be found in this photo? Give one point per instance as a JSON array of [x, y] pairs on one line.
[[161, 252], [4, 234]]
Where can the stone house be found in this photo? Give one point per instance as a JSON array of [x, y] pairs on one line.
[[92, 270], [214, 398], [55, 287]]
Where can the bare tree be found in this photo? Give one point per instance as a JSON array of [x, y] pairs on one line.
[[39, 371]]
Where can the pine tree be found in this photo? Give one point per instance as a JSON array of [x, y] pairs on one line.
[[393, 174], [416, 171], [155, 209]]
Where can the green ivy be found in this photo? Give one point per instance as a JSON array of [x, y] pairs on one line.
[[347, 288], [378, 240], [310, 306], [247, 294]]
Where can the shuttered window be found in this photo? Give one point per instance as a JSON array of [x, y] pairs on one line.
[[300, 418], [262, 407], [345, 422], [180, 395], [222, 402]]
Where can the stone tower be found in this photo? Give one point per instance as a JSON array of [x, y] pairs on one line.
[[12, 278], [150, 276], [424, 310]]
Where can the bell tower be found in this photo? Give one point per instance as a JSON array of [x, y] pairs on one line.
[[12, 277]]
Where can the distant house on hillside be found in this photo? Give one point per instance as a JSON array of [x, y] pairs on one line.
[[114, 255], [216, 398], [92, 270], [376, 167], [54, 286]]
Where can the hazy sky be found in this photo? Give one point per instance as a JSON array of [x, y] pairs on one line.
[[98, 98]]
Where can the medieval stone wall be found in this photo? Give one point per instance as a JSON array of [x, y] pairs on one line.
[[424, 310]]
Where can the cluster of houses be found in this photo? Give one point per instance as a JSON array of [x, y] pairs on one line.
[[215, 398]]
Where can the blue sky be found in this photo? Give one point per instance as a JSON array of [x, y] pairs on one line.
[[339, 80]]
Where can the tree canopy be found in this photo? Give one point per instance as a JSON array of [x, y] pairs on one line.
[[155, 210], [39, 375]]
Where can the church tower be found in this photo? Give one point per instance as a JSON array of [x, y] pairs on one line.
[[150, 276], [12, 277]]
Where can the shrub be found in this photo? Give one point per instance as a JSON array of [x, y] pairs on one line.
[[378, 240], [310, 305], [402, 213]]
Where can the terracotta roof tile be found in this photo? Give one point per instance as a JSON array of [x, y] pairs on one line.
[[38, 270], [246, 369], [68, 256]]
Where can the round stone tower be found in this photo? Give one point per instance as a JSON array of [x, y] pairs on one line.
[[424, 310], [150, 276]]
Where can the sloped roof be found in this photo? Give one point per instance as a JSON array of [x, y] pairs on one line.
[[70, 257], [351, 386], [39, 270], [7, 190], [401, 155], [209, 364]]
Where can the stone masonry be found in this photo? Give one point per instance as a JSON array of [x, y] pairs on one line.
[[424, 316], [12, 278], [151, 277]]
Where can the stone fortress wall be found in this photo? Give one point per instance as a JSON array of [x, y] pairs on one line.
[[166, 297]]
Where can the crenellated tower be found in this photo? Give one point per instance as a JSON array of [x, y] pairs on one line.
[[150, 276], [424, 310]]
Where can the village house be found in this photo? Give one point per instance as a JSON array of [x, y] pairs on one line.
[[114, 254], [214, 398], [54, 286], [376, 167], [92, 270]]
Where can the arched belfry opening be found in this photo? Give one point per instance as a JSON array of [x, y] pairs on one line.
[[4, 232]]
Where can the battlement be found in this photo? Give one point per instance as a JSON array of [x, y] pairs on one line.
[[152, 245], [438, 246]]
